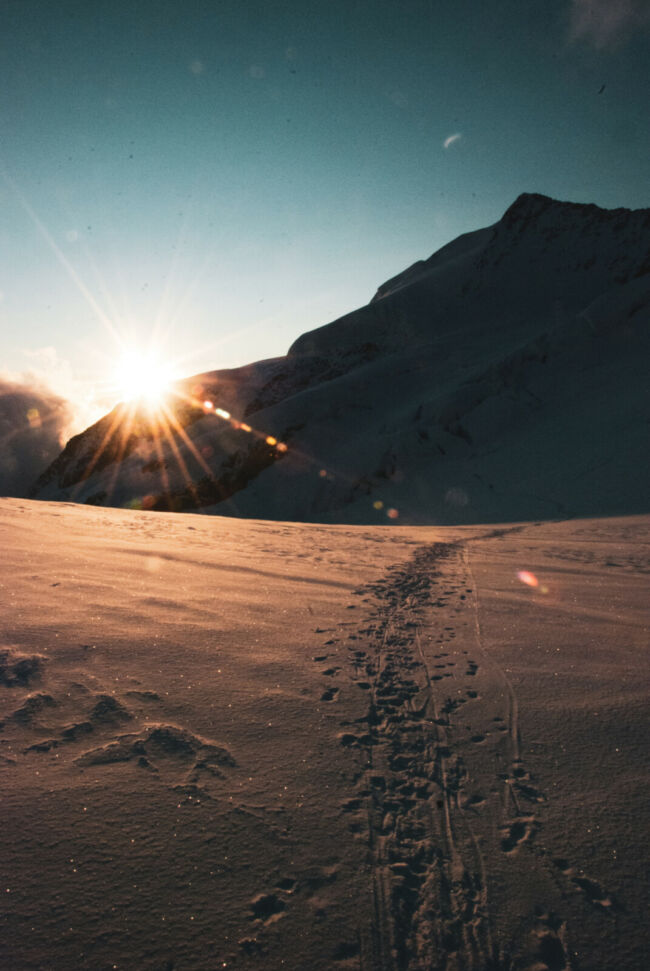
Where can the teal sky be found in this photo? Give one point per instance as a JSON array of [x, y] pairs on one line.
[[229, 175]]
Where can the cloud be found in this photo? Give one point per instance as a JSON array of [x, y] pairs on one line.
[[451, 139], [33, 425], [607, 23]]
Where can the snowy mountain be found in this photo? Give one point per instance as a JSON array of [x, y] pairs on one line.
[[503, 378]]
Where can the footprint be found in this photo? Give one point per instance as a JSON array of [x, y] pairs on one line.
[[529, 792], [330, 672], [17, 668], [267, 907], [318, 877], [594, 892], [287, 884], [351, 805], [250, 945], [474, 801], [348, 740], [346, 950], [548, 946], [330, 694], [517, 833]]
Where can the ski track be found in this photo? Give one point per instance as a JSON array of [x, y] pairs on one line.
[[413, 802]]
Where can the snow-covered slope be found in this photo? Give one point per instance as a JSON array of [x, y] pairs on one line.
[[296, 747], [503, 378]]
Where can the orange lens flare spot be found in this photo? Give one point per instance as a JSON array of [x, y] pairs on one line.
[[222, 414], [323, 473], [270, 440], [378, 504], [245, 428], [528, 578], [392, 513], [281, 447]]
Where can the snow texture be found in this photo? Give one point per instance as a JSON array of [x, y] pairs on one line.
[[263, 745]]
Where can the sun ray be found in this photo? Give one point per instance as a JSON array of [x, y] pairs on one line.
[[161, 459], [181, 463], [105, 442], [65, 263], [102, 285], [175, 424], [166, 296], [126, 431]]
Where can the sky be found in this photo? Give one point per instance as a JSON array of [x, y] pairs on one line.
[[220, 176]]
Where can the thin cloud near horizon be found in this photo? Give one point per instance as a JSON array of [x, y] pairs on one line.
[[34, 424]]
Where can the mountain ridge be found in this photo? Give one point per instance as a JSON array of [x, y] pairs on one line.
[[423, 385]]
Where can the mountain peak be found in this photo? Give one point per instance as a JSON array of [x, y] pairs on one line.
[[529, 206]]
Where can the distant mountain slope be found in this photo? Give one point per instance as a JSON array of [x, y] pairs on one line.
[[503, 378]]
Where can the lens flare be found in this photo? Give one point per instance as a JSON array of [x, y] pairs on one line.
[[528, 578]]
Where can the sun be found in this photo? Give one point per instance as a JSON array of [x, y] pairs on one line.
[[143, 376]]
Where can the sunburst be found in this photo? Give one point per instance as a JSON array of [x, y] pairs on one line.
[[143, 376]]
